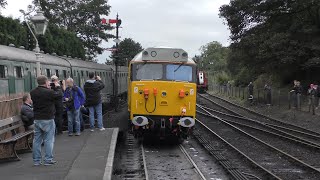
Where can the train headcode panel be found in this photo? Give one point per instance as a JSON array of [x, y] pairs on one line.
[[162, 93]]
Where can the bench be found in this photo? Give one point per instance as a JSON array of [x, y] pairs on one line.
[[14, 138]]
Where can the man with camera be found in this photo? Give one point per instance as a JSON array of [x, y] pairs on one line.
[[92, 88], [59, 104], [74, 99], [44, 99]]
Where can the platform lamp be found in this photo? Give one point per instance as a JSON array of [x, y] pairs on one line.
[[40, 24]]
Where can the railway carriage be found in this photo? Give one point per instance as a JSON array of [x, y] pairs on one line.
[[18, 71], [162, 93], [202, 81]]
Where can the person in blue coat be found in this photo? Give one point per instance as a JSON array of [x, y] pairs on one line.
[[74, 99]]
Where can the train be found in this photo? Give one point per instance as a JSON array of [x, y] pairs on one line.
[[202, 82], [162, 93], [18, 72]]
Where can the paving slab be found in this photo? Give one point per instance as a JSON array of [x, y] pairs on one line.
[[89, 156]]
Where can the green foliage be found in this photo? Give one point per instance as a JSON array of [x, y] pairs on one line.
[[127, 49], [62, 42], [55, 39], [3, 3], [81, 17], [12, 32], [273, 37], [214, 60]]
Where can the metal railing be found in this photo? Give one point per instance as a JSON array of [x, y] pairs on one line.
[[277, 97]]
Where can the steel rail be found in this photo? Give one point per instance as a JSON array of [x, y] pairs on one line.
[[307, 131], [184, 151], [238, 151], [262, 142], [278, 127], [144, 162], [265, 125]]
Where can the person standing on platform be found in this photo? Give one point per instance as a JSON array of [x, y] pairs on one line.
[[59, 104], [250, 91], [74, 99], [44, 100], [92, 89]]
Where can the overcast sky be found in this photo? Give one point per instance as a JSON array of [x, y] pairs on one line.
[[186, 24]]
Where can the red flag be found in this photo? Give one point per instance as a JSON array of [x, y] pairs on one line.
[[103, 21], [112, 21]]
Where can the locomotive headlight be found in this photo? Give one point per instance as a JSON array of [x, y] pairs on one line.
[[186, 122], [140, 121]]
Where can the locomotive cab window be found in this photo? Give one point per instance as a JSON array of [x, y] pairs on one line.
[[18, 72], [147, 71], [3, 71], [178, 72]]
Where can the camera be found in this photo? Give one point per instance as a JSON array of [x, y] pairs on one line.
[[52, 85]]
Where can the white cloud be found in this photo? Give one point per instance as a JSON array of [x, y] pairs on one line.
[[187, 24]]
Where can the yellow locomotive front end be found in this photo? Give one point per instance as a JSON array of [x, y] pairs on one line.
[[162, 93]]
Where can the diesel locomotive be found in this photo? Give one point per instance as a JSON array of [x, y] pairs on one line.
[[162, 93]]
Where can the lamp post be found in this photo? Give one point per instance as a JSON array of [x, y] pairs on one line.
[[40, 24]]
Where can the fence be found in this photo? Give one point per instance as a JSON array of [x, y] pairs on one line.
[[278, 97], [10, 106]]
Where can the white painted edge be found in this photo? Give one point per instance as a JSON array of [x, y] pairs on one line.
[[109, 165]]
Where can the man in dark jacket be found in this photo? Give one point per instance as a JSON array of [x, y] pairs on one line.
[[27, 115], [58, 106], [92, 89], [44, 100]]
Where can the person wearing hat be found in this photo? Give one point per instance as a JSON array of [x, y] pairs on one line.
[[58, 105]]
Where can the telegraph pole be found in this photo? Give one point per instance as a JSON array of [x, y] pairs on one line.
[[116, 64]]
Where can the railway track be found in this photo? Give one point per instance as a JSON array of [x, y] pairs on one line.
[[272, 162], [170, 162], [131, 163], [227, 108]]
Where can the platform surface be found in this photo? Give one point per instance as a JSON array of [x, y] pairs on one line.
[[89, 156]]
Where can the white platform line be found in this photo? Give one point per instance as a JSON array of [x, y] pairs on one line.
[[109, 165]]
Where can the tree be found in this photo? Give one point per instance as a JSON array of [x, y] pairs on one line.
[[56, 40], [3, 3], [12, 32], [273, 37], [214, 60], [127, 49], [82, 17]]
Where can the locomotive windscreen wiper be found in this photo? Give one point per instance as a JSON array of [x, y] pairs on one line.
[[178, 67]]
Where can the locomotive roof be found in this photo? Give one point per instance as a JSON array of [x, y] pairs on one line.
[[154, 54]]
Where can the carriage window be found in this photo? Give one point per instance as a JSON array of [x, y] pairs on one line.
[[179, 72], [87, 73], [48, 73], [3, 71], [82, 73], [57, 72], [64, 74], [18, 72], [74, 73], [148, 71]]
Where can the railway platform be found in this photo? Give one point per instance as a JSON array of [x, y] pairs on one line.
[[89, 156]]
